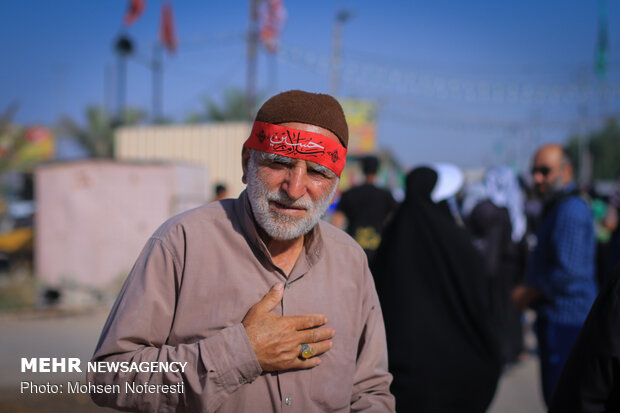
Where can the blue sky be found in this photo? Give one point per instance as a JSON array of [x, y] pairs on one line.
[[475, 83]]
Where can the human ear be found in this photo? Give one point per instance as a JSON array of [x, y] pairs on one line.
[[245, 159]]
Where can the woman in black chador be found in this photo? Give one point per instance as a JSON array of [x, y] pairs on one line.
[[494, 213], [430, 280]]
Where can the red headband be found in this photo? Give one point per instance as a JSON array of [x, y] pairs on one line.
[[298, 144]]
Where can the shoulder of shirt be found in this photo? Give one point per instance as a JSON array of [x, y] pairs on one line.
[[205, 214], [574, 206]]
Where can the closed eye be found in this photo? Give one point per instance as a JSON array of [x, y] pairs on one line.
[[317, 172], [282, 164], [321, 171]]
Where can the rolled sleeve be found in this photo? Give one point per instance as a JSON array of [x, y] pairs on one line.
[[230, 357]]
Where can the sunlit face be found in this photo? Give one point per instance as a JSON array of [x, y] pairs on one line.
[[549, 171], [288, 196]]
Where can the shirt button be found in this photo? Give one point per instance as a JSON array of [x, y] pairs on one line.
[[288, 401], [288, 285]]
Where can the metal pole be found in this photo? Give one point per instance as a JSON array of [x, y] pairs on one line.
[[334, 75], [336, 59], [124, 48], [273, 73], [584, 153], [121, 85], [158, 83], [250, 94], [107, 89]]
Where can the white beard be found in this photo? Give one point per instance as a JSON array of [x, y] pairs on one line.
[[280, 226]]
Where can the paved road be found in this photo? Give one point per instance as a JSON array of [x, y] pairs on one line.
[[49, 335], [76, 336], [519, 389]]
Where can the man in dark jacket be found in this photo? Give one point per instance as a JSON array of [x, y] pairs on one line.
[[561, 280], [366, 208]]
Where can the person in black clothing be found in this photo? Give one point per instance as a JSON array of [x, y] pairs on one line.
[[365, 208], [590, 379], [497, 224], [505, 268], [611, 257], [434, 295], [220, 192]]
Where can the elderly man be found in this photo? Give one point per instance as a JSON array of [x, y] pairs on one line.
[[560, 282], [272, 309]]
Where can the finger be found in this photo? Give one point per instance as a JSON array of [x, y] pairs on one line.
[[304, 364], [271, 299], [315, 335], [318, 348], [303, 322]]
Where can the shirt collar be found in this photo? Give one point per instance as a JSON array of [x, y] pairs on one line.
[[568, 187], [313, 241]]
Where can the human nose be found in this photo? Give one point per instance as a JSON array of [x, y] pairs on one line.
[[539, 177], [295, 184]]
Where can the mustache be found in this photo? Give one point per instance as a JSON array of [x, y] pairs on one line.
[[285, 200]]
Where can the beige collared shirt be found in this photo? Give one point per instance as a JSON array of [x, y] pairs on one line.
[[191, 287]]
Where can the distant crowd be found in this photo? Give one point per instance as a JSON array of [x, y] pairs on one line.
[[455, 265]]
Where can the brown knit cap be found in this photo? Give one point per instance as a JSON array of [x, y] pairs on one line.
[[305, 107]]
